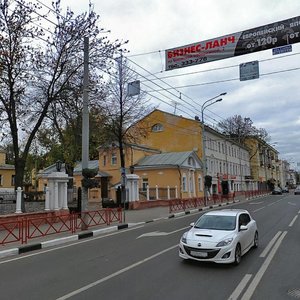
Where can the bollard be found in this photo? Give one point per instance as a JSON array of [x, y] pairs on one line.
[[19, 198]]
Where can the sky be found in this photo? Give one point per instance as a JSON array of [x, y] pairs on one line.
[[272, 101]]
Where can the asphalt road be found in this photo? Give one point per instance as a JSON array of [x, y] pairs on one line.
[[143, 263]]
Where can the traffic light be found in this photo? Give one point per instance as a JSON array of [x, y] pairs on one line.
[[207, 181]]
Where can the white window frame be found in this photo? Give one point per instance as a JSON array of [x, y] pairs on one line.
[[113, 158], [184, 183]]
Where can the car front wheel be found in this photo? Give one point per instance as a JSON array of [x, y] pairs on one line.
[[255, 241], [237, 254]]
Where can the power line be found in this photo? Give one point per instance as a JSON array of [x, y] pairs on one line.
[[223, 68], [167, 89]]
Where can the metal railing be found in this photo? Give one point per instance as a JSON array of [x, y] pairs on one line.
[[25, 229]]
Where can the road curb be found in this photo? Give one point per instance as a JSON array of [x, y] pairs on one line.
[[63, 240]]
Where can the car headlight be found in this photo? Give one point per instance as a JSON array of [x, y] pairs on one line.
[[225, 242], [183, 238]]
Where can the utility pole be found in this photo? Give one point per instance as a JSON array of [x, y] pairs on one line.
[[122, 156], [85, 124]]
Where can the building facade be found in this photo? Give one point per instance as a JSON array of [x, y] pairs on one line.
[[7, 173], [227, 163], [264, 164]]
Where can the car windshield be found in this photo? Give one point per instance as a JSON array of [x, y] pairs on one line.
[[216, 222]]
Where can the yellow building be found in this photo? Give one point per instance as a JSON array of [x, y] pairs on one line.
[[264, 163], [7, 173], [170, 133], [166, 158]]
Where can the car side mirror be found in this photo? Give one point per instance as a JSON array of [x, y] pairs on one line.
[[243, 227], [192, 224]]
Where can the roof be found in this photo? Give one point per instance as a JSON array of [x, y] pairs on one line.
[[7, 167], [102, 174], [169, 159], [92, 164], [131, 145]]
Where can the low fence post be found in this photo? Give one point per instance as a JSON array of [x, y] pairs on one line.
[[47, 198], [19, 198], [148, 193]]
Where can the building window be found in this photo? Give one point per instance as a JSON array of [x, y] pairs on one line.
[[1, 180], [13, 180], [200, 184], [191, 162], [157, 127], [104, 160], [113, 158], [145, 184], [184, 183]]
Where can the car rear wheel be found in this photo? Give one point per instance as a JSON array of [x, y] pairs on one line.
[[237, 254], [255, 241]]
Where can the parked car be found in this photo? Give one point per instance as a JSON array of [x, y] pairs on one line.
[[220, 236], [277, 191], [285, 190], [297, 190]]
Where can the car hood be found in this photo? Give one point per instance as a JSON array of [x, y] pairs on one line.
[[207, 235]]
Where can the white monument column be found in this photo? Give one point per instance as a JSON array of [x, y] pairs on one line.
[[47, 199], [65, 196], [133, 187], [57, 191], [18, 205], [56, 196]]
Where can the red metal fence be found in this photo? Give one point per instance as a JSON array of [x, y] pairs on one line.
[[183, 204], [36, 227]]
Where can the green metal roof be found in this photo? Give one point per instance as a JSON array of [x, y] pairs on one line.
[[170, 158]]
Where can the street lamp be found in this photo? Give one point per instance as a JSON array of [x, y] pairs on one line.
[[206, 104], [58, 165]]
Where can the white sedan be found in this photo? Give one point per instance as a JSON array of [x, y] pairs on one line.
[[220, 236]]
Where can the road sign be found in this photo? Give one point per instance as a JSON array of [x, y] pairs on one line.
[[133, 88], [282, 49], [249, 70]]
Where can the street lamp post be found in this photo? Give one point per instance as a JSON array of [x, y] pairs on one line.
[[206, 104]]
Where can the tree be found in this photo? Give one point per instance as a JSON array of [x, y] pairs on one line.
[[123, 110], [40, 67], [64, 142], [238, 128]]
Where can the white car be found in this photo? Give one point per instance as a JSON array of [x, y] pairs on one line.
[[220, 236]]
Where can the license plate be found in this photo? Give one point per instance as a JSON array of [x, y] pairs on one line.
[[198, 254]]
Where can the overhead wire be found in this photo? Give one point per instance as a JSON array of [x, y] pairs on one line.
[[167, 89], [223, 68]]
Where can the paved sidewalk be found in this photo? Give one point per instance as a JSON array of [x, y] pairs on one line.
[[130, 218]]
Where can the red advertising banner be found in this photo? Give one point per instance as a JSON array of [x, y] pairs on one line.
[[253, 40]]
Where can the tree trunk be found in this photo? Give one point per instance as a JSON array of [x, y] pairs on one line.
[[19, 169]]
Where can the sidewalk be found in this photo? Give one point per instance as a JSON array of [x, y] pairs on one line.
[[131, 218]]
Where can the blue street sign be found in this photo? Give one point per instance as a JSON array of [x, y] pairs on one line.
[[282, 49]]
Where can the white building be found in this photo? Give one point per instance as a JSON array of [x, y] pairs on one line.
[[227, 163]]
